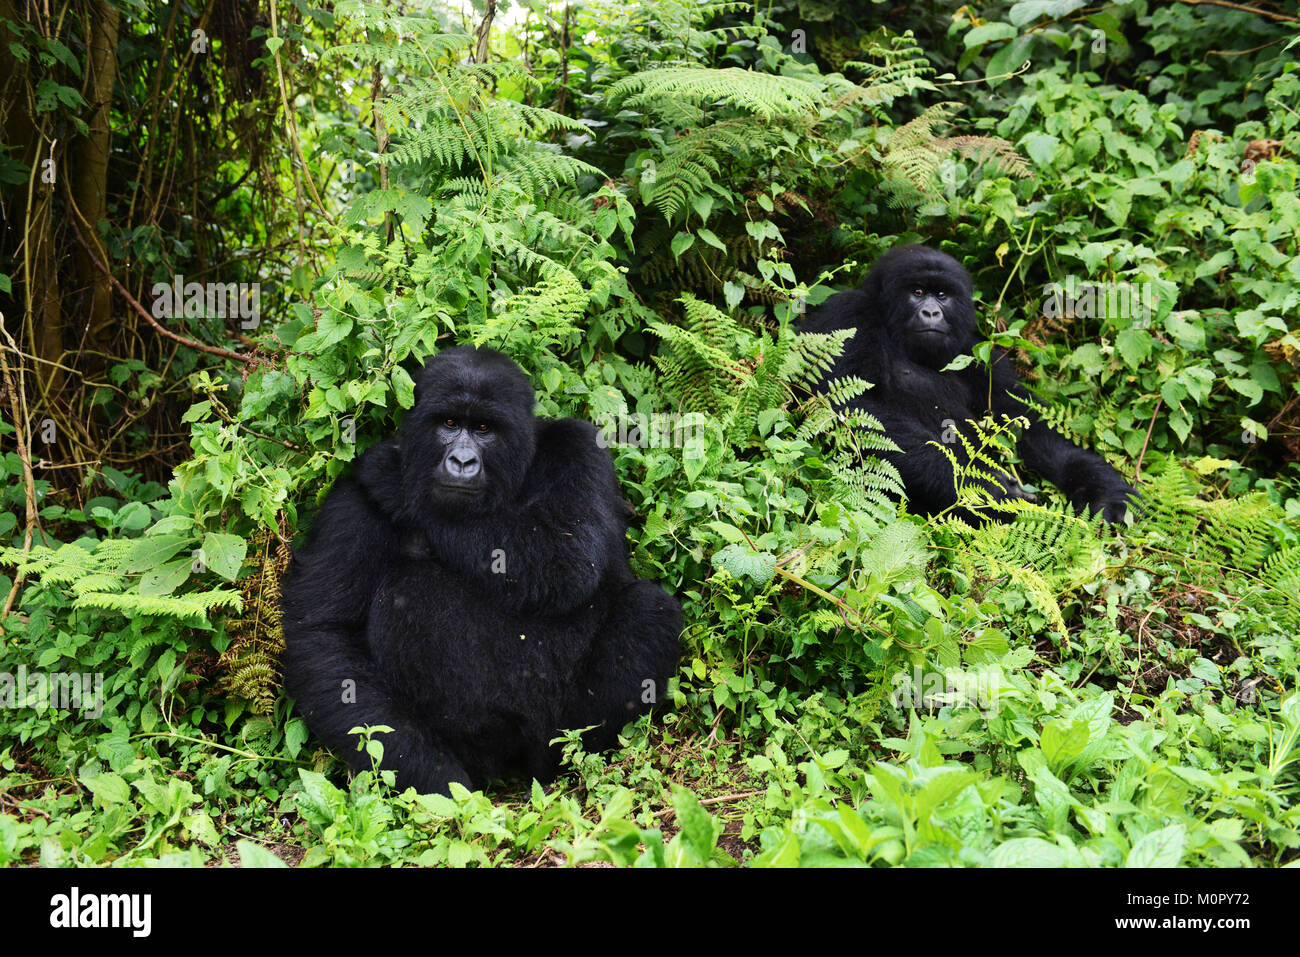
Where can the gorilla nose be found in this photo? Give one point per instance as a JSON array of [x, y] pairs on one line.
[[932, 315], [462, 466]]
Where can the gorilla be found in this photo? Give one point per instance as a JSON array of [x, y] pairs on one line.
[[913, 315], [469, 587]]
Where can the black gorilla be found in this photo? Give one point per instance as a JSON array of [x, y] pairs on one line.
[[913, 315], [470, 588]]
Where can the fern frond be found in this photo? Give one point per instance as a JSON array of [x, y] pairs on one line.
[[915, 152], [192, 606], [764, 94]]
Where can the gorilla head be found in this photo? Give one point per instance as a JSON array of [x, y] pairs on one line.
[[471, 437], [927, 298]]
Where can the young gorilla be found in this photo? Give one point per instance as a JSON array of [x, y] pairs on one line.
[[470, 588], [913, 315]]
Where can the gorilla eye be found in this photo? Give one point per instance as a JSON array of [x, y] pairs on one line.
[[918, 291], [451, 423], [481, 427], [941, 296]]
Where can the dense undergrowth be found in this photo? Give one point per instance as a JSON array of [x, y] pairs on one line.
[[858, 685]]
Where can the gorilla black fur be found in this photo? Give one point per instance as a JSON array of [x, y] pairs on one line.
[[469, 587], [914, 314]]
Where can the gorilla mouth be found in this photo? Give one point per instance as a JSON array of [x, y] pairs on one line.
[[469, 491]]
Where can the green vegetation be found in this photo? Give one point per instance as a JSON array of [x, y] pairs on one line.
[[636, 200]]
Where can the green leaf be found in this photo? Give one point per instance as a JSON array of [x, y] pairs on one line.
[[741, 561], [153, 550], [708, 236], [295, 736], [988, 32], [1062, 742], [109, 788], [254, 855], [784, 854], [1028, 852], [1207, 671], [403, 387], [1026, 11], [196, 412], [699, 831], [173, 525], [729, 532], [1008, 59], [134, 517], [224, 554], [165, 580], [948, 783], [1134, 346], [201, 828], [1162, 848], [1041, 147]]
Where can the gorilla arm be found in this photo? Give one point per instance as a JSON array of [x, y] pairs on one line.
[[326, 602], [1087, 480]]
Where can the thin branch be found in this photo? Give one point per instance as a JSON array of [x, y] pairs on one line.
[[21, 433], [721, 799], [1137, 469], [147, 317], [1243, 8]]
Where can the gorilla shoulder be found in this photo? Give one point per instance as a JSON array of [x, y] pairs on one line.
[[572, 463], [379, 470]]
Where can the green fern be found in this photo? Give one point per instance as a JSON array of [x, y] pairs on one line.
[[1277, 588], [1209, 536], [251, 662], [767, 95], [915, 152], [98, 578], [983, 465], [1048, 551], [193, 607], [543, 315], [690, 162], [902, 71]]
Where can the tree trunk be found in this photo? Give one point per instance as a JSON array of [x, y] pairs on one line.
[[89, 168], [34, 318]]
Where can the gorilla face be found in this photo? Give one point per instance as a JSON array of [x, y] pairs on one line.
[[470, 438], [465, 444], [929, 303]]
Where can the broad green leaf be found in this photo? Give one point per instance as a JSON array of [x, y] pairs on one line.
[[224, 553], [1028, 852], [152, 551], [165, 580], [1162, 848], [108, 787], [254, 855]]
